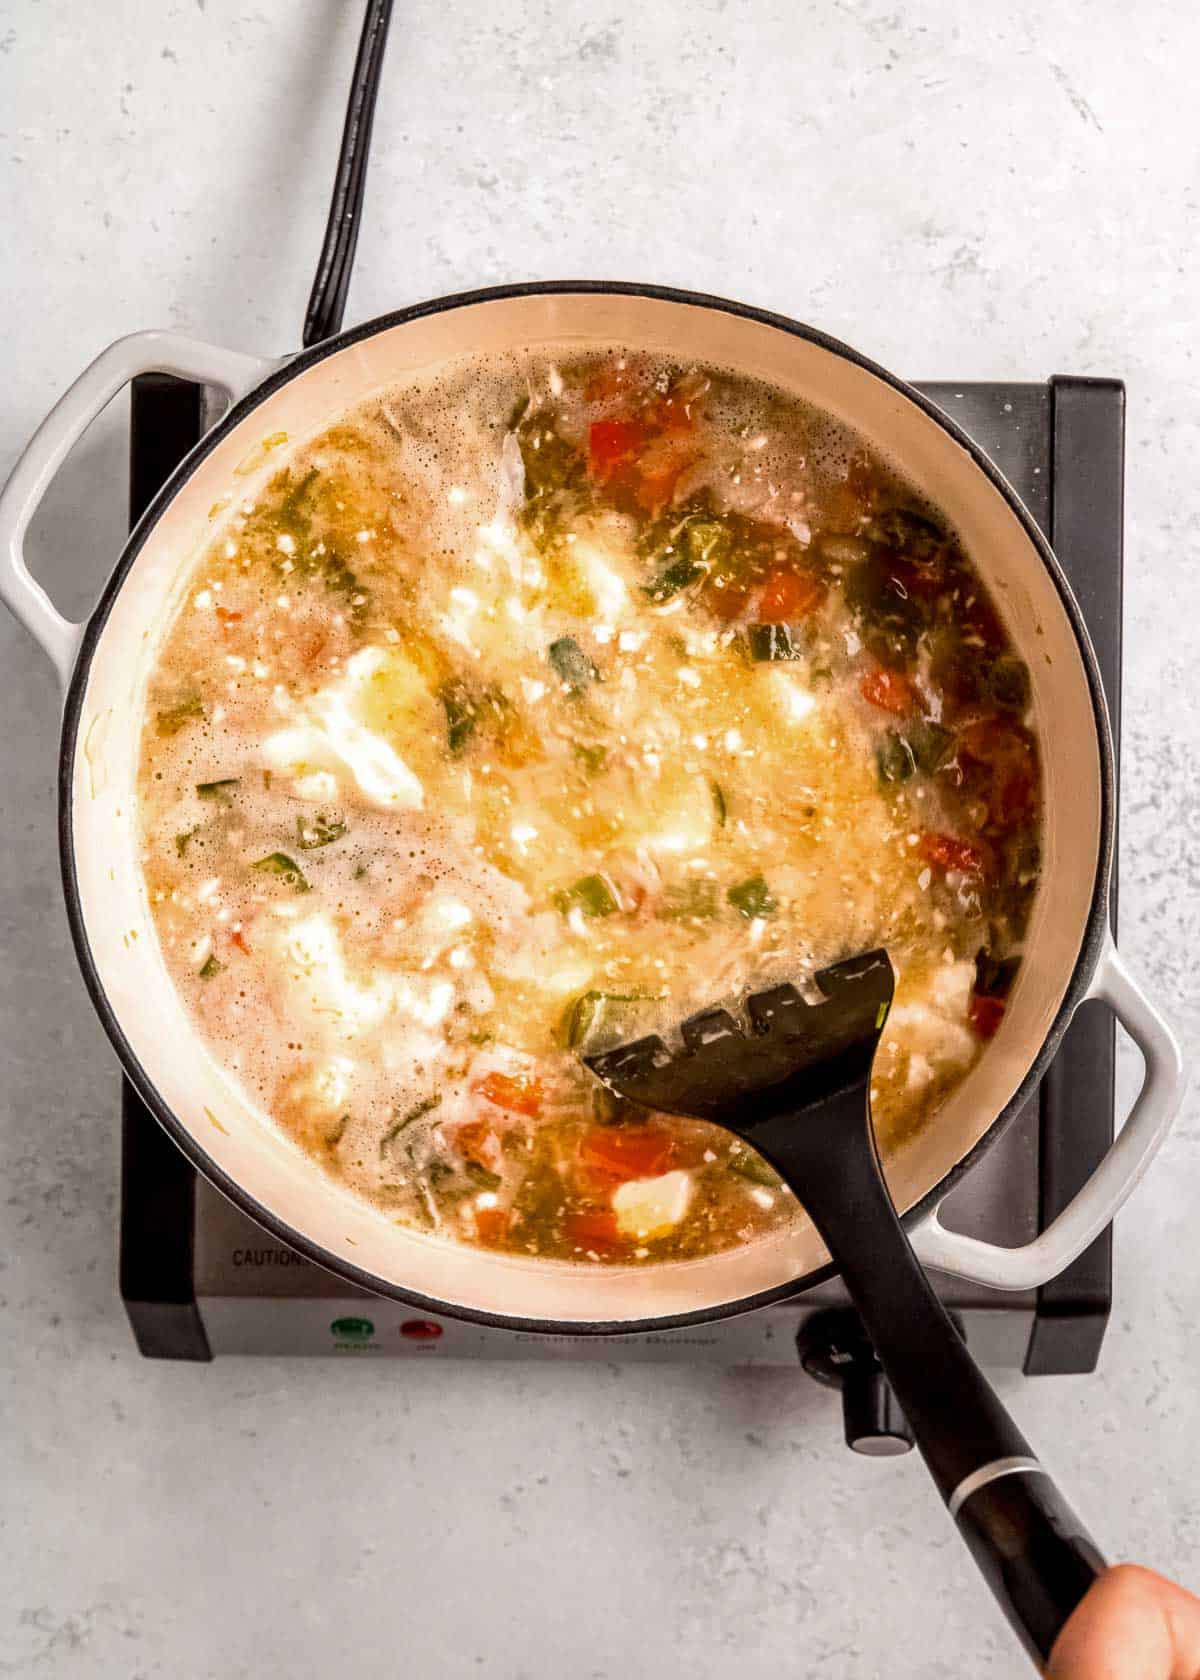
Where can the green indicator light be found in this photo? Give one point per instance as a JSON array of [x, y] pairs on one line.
[[352, 1329]]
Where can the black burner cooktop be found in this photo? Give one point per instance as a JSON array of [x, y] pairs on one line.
[[199, 1278]]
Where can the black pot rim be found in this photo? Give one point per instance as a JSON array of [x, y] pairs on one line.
[[1091, 944]]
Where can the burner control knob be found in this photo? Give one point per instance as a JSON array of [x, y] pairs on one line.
[[835, 1350], [874, 1423]]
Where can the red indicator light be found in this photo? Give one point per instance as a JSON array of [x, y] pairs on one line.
[[420, 1330]]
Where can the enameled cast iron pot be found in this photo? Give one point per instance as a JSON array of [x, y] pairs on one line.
[[104, 663]]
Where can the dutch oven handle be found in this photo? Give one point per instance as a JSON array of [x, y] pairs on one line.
[[145, 352], [1135, 1146]]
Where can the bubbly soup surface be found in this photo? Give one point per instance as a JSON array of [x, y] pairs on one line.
[[536, 708]]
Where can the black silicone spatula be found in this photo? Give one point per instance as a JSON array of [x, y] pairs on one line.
[[793, 1080]]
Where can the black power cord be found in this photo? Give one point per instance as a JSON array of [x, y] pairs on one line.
[[327, 300]]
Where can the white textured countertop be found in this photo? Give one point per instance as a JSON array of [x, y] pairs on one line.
[[963, 193]]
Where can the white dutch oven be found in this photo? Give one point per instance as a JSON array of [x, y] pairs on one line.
[[104, 665]]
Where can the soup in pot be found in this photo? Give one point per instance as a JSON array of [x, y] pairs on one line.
[[538, 706]]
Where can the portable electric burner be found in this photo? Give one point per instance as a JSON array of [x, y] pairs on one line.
[[200, 1279]]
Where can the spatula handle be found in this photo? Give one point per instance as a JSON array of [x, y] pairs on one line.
[[1034, 1552]]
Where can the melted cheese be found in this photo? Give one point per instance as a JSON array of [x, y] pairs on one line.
[[651, 1207], [329, 739], [599, 563]]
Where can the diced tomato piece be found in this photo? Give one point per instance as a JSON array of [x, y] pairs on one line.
[[520, 1094], [594, 1229], [491, 1225], [946, 851], [238, 938], [986, 1014], [227, 616], [891, 691], [673, 415], [999, 763], [658, 472], [788, 595], [647, 453], [620, 1153], [726, 601], [614, 444], [476, 1141]]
